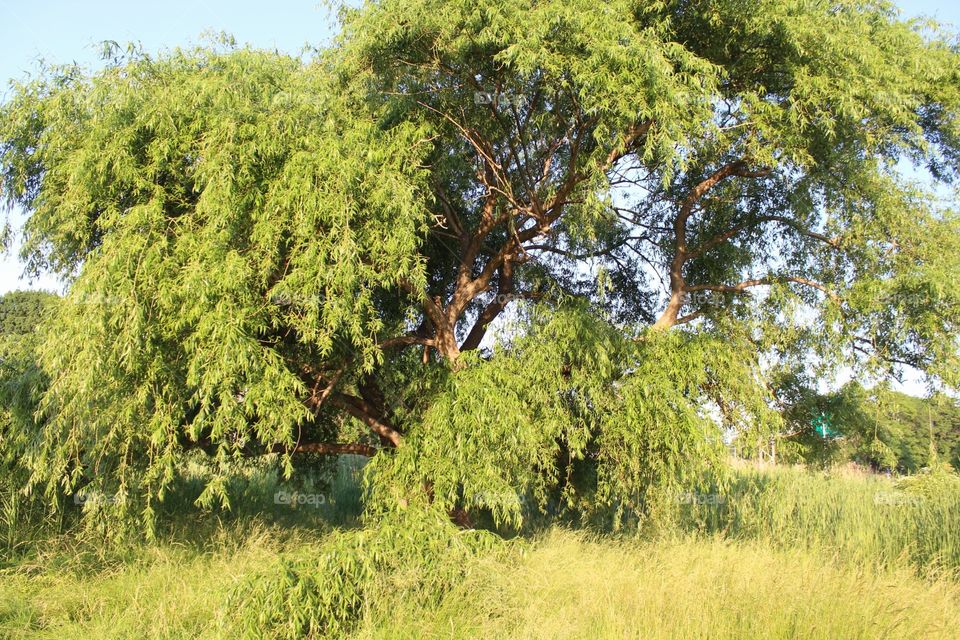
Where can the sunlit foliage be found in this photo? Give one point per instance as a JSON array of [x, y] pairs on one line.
[[654, 201]]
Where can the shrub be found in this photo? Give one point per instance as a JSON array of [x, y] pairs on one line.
[[417, 553]]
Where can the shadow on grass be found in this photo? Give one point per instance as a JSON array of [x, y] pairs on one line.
[[324, 495]]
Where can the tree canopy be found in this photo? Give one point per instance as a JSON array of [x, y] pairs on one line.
[[657, 202]]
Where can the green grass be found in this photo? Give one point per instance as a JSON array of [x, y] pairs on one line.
[[866, 519], [570, 586], [167, 591], [784, 554], [565, 585]]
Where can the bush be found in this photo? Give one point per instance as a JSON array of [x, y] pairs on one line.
[[416, 553], [936, 482]]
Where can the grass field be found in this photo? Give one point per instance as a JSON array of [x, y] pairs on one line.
[[571, 587], [783, 554]]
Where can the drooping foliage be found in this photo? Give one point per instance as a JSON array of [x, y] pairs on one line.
[[204, 198], [22, 380], [416, 555], [654, 201], [22, 384], [582, 420]]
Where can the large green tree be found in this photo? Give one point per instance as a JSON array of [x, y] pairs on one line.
[[22, 381], [656, 200]]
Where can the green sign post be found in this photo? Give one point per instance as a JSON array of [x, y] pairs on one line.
[[822, 426]]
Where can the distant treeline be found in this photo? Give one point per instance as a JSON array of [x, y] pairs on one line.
[[881, 428]]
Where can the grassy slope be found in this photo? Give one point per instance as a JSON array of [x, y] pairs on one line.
[[806, 556]]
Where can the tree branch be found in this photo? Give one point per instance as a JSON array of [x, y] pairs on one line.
[[329, 448], [733, 231], [403, 341], [738, 168], [493, 309], [741, 287], [360, 409], [632, 136]]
